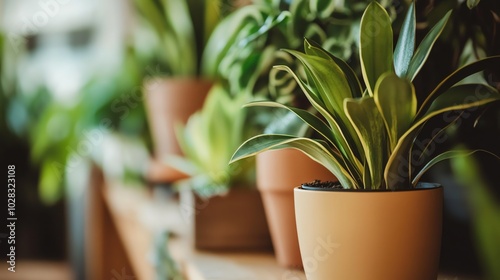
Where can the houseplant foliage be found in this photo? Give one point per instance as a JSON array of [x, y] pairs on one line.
[[63, 137], [486, 211], [208, 140], [245, 45], [369, 129], [181, 29]]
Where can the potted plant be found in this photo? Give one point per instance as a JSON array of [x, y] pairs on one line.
[[180, 30], [370, 140], [223, 193], [246, 45]]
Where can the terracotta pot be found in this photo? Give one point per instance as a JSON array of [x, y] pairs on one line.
[[234, 222], [278, 173], [376, 235], [169, 102]]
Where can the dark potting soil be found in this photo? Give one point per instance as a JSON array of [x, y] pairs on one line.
[[324, 184]]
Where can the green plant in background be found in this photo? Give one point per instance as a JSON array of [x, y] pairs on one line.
[[181, 29], [245, 45], [208, 141], [63, 135], [486, 212], [368, 134]]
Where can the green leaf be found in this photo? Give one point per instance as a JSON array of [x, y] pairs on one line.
[[210, 137], [323, 8], [472, 3], [270, 23], [425, 47], [458, 75], [179, 38], [333, 136], [314, 122], [462, 97], [226, 35], [51, 181], [486, 212], [351, 139], [444, 156], [425, 151], [375, 48], [332, 88], [313, 48], [316, 149], [148, 9], [458, 98], [369, 126], [396, 100], [406, 43], [328, 79]]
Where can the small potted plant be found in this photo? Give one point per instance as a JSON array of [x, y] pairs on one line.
[[175, 33], [223, 194], [371, 140], [246, 45]]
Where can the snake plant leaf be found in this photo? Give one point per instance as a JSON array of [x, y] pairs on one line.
[[375, 48], [315, 149], [369, 126], [313, 48], [180, 38], [288, 123], [331, 85], [328, 79], [406, 43], [211, 16], [445, 156], [458, 75], [333, 136], [152, 11], [350, 139], [314, 122], [425, 47], [425, 149], [462, 97], [457, 98], [311, 95], [397, 102]]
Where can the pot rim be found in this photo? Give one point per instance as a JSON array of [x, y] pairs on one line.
[[421, 186]]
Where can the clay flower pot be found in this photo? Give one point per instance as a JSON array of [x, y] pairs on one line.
[[278, 173], [232, 222], [376, 235], [169, 102]]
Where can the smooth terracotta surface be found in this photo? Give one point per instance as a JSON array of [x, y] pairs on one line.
[[370, 235], [278, 173], [169, 102], [234, 222]]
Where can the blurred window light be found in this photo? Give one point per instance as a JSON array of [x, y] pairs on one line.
[[61, 45]]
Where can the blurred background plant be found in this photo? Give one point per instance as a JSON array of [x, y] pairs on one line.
[[208, 141], [485, 210], [245, 45], [174, 33]]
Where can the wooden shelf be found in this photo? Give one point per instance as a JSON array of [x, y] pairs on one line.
[[137, 216]]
